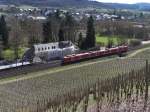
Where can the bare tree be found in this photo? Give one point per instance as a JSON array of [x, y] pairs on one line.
[[35, 32], [32, 30], [1, 47], [15, 37]]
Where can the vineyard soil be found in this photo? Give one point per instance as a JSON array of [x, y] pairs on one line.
[[70, 88]]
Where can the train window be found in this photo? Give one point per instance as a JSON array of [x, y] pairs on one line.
[[54, 47], [38, 49], [48, 47], [42, 49], [45, 48]]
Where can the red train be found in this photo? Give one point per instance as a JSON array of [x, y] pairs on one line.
[[94, 54]]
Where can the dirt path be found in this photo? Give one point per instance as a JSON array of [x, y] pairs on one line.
[[46, 72], [137, 52]]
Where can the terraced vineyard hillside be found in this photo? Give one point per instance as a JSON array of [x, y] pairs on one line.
[[67, 90]]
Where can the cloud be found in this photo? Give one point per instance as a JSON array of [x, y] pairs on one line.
[[124, 1]]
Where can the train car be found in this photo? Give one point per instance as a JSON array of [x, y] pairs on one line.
[[94, 54], [114, 50], [67, 59], [85, 55]]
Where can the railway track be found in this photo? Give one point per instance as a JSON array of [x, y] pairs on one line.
[[25, 69]]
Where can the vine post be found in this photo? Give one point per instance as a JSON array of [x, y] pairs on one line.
[[146, 84]]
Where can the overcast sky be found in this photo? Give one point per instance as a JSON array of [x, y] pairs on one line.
[[124, 1]]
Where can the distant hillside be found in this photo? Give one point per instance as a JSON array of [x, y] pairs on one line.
[[138, 6], [57, 2], [80, 3], [144, 6], [123, 6]]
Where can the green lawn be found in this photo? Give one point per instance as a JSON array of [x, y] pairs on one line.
[[104, 39], [8, 54]]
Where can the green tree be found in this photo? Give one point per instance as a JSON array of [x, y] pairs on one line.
[[114, 12], [15, 37], [141, 15], [57, 14], [4, 31], [80, 41], [69, 25], [53, 26], [47, 32], [90, 36], [61, 35], [110, 43], [1, 47]]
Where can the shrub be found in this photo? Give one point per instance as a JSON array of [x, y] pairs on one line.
[[135, 42]]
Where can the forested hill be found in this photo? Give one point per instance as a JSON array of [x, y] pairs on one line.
[[80, 3], [57, 2], [137, 6]]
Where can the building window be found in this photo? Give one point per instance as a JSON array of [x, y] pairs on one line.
[[53, 47]]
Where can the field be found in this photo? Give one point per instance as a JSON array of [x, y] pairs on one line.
[[104, 39], [68, 89], [54, 86], [26, 7]]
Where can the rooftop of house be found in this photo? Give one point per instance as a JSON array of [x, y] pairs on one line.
[[54, 45]]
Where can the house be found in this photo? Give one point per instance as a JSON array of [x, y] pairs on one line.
[[50, 51]]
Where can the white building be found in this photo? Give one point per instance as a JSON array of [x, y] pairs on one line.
[[37, 18], [49, 51]]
